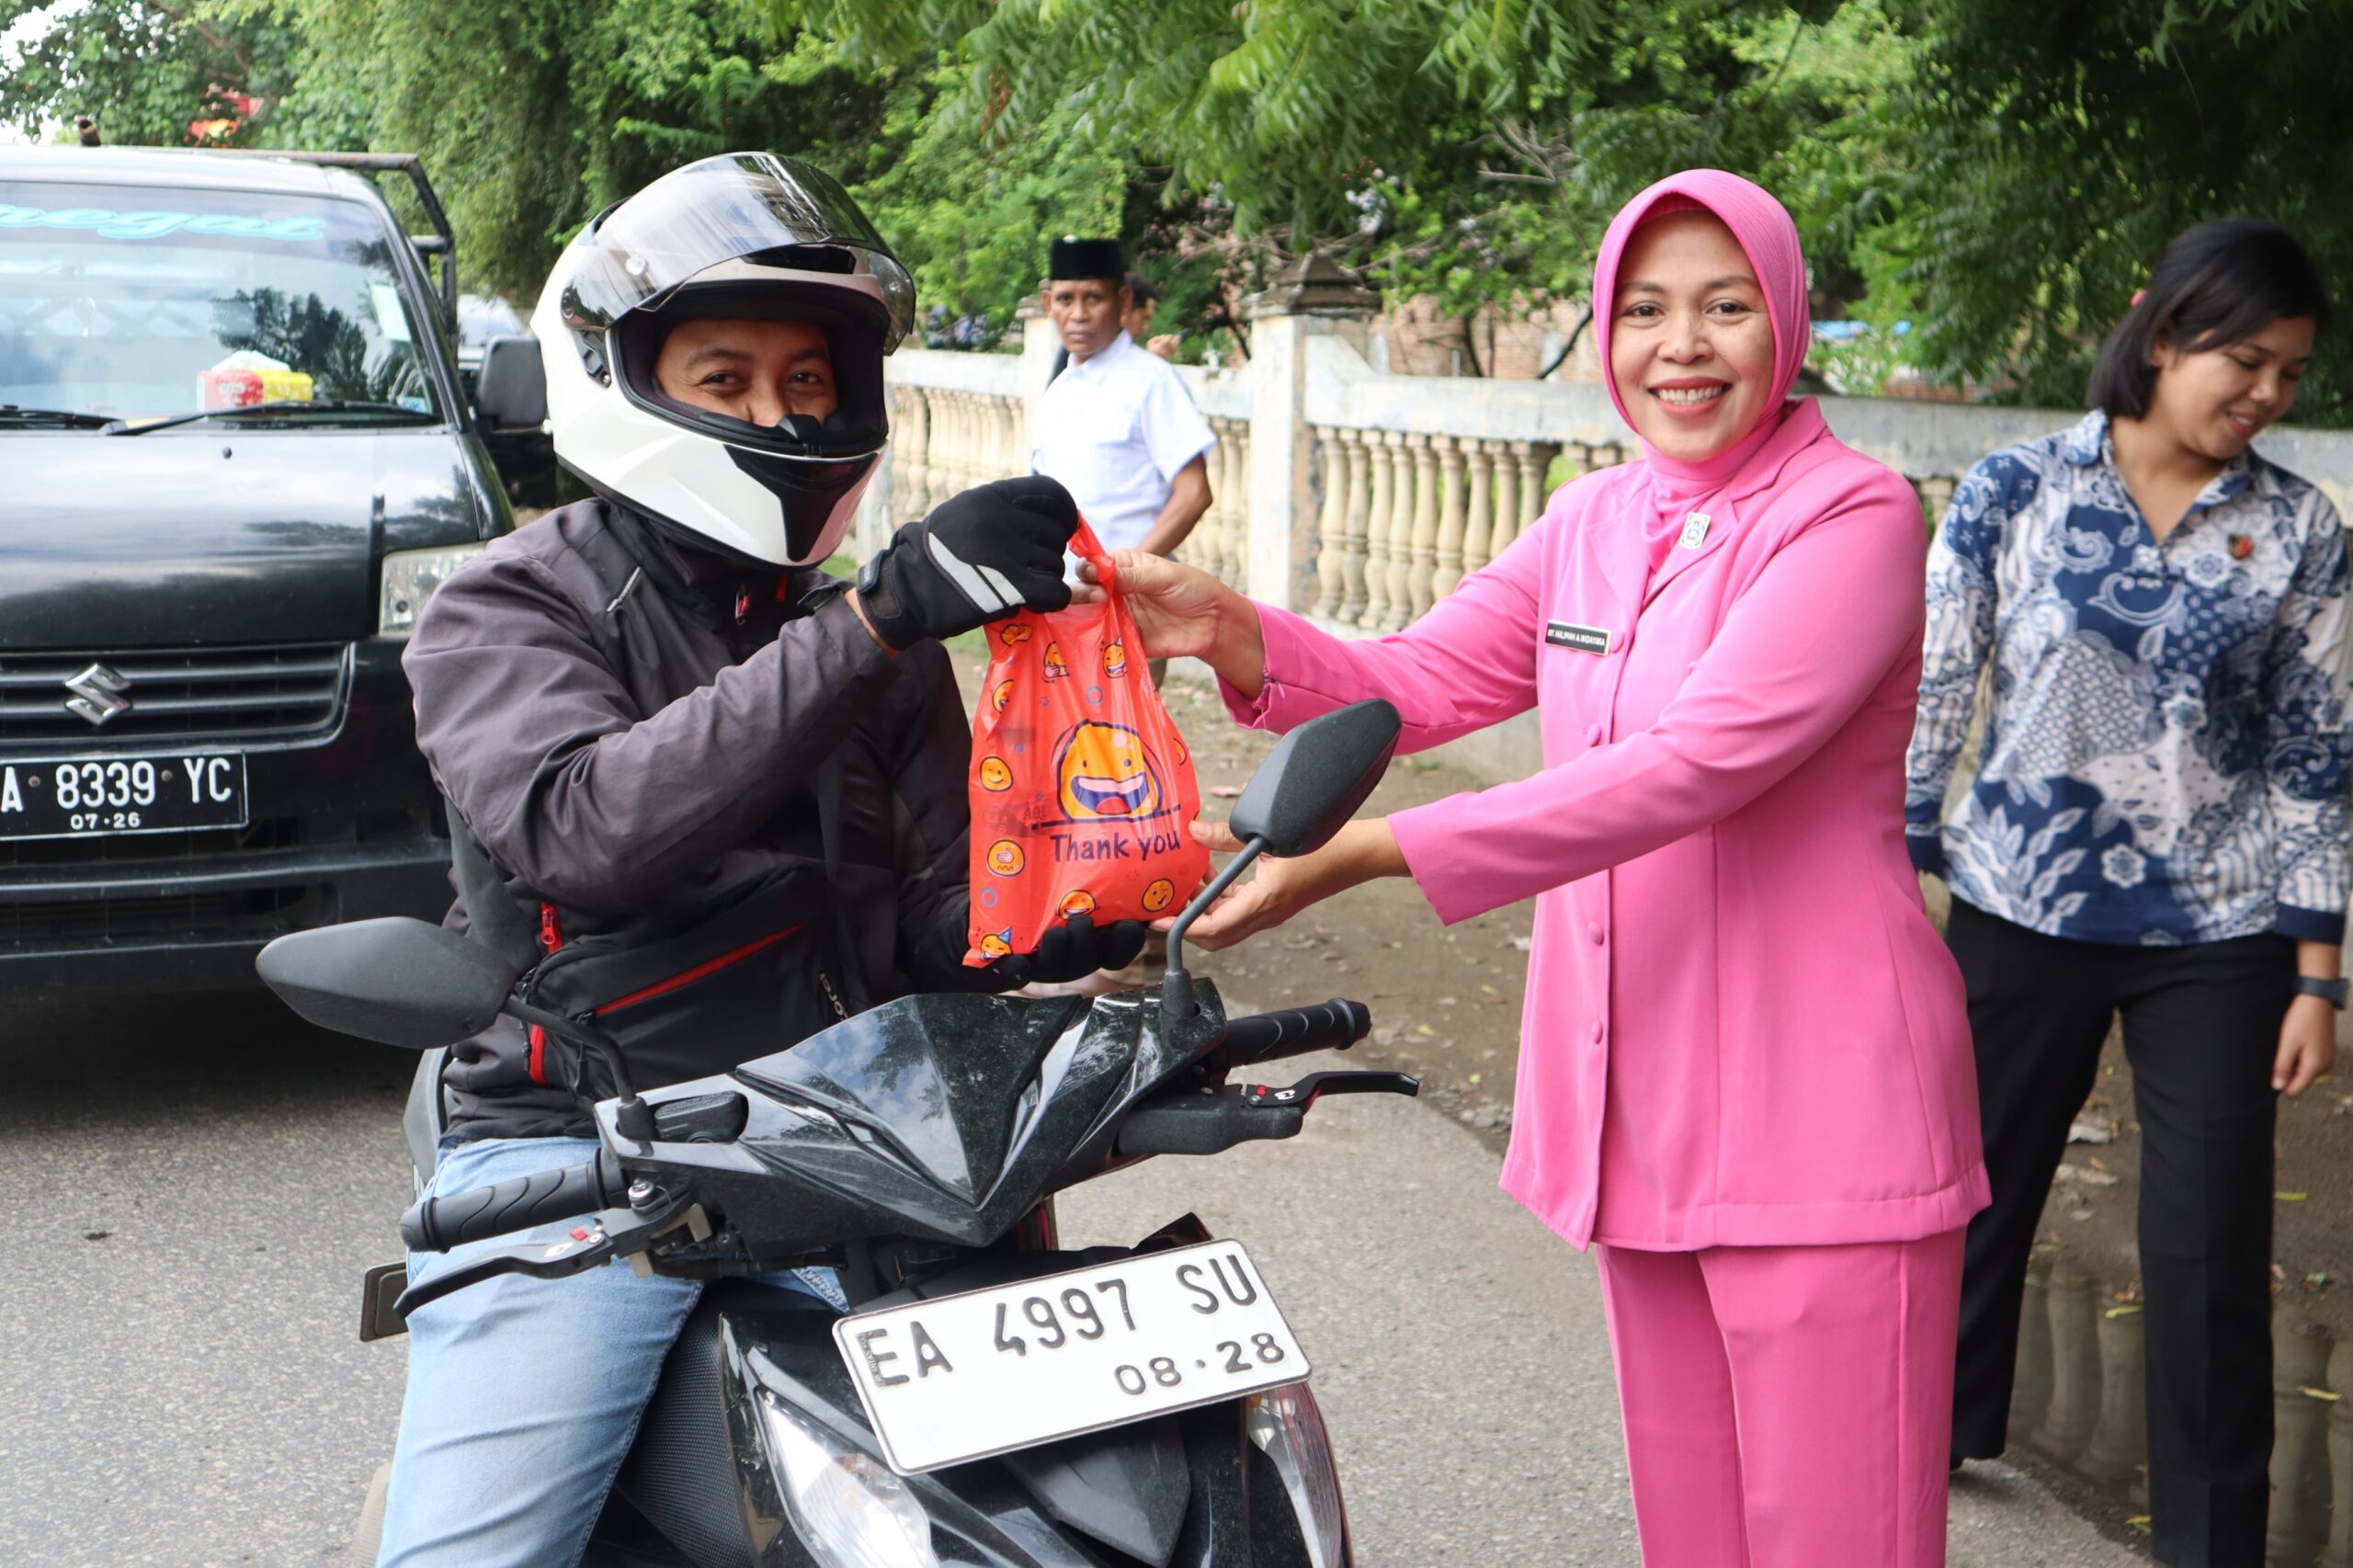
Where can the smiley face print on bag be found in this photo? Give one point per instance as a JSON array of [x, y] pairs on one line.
[[1104, 771]]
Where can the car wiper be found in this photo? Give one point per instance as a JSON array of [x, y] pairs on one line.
[[73, 419], [278, 408]]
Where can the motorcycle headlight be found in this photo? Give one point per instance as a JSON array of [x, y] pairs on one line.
[[1289, 1429], [410, 577], [849, 1508]]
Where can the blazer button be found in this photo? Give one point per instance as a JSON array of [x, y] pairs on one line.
[[1597, 1031], [1592, 736], [1593, 929]]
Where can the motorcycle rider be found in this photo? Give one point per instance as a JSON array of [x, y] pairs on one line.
[[722, 791]]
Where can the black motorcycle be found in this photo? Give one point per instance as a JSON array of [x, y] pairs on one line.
[[989, 1398]]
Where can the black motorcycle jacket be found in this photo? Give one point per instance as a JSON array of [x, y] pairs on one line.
[[636, 731]]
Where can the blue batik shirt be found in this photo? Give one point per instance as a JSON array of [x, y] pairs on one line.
[[2166, 752]]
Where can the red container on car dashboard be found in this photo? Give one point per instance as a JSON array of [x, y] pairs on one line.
[[229, 389]]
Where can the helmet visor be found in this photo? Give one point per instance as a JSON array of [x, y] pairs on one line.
[[730, 208]]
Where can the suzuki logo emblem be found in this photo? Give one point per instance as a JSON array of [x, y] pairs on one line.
[[97, 694]]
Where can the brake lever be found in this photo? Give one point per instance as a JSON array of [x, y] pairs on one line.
[[1315, 1084], [585, 1248], [613, 1232]]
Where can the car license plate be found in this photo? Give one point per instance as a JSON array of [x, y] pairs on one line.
[[84, 797], [965, 1377]]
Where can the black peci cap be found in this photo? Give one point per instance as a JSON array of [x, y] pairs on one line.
[[1071, 258]]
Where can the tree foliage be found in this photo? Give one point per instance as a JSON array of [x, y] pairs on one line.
[[2000, 174], [1470, 153], [2052, 147], [144, 70]]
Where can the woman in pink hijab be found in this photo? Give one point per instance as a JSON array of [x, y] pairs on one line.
[[1746, 1070]]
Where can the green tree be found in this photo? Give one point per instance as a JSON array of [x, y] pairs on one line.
[[2052, 147], [143, 70], [970, 214], [533, 114], [1999, 172], [1473, 153]]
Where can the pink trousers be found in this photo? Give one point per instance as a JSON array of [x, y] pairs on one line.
[[1787, 1407]]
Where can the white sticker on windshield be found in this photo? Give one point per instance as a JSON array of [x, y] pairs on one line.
[[110, 224], [391, 319]]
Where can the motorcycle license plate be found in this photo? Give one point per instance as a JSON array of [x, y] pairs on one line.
[[966, 1376], [88, 796]]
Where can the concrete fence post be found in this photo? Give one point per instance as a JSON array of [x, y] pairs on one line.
[[1380, 446], [2339, 1551], [1312, 297], [2119, 1444], [2300, 1350], [2031, 1383], [2075, 1365], [1039, 343], [1354, 565], [1450, 522]]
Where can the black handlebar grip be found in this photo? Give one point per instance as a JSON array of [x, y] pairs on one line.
[[1294, 1031], [1203, 1126], [436, 1225]]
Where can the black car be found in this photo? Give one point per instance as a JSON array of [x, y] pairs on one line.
[[236, 462]]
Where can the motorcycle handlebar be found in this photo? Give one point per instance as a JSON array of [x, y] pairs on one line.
[[436, 1225], [1294, 1031]]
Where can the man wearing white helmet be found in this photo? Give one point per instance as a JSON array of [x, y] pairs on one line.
[[725, 786]]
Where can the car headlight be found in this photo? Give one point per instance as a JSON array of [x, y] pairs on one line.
[[849, 1508], [410, 577], [1289, 1429]]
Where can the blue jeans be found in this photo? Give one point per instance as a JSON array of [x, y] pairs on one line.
[[524, 1395]]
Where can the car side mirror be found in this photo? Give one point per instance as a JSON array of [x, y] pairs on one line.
[[511, 389], [394, 980], [1305, 791]]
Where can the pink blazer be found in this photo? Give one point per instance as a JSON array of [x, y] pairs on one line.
[[1741, 1029]]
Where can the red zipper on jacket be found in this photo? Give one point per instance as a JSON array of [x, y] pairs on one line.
[[687, 977], [551, 939]]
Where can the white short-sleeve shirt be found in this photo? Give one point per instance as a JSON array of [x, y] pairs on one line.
[[1116, 430]]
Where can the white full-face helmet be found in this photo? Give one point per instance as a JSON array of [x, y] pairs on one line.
[[747, 234]]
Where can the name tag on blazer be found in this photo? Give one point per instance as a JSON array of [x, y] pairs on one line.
[[1582, 639]]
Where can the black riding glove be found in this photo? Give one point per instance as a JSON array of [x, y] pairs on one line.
[[978, 557], [1072, 949]]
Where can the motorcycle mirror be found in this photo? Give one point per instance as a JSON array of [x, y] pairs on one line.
[[1316, 776], [511, 389], [1305, 791], [396, 980]]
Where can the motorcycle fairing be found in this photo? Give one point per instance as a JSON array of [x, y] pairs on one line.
[[1128, 1487], [941, 1119]]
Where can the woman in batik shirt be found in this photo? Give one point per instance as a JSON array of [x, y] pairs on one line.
[[2157, 829]]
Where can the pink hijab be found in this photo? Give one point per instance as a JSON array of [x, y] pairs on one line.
[[1770, 239]]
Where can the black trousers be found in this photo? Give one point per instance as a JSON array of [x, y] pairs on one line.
[[2201, 1026]]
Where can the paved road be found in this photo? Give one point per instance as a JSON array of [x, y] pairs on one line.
[[187, 1390]]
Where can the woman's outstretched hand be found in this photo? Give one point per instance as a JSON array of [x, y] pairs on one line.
[[1277, 889], [1181, 610]]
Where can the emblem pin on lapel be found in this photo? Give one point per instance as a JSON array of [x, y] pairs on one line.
[[2241, 546], [1695, 530]]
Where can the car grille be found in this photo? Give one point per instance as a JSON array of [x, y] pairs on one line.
[[251, 914], [163, 853], [156, 852], [177, 693]]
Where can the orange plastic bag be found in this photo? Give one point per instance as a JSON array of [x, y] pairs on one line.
[[1083, 791]]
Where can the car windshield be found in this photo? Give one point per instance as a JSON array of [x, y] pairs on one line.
[[142, 301]]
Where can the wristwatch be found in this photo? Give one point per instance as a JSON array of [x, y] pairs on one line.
[[2334, 990]]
